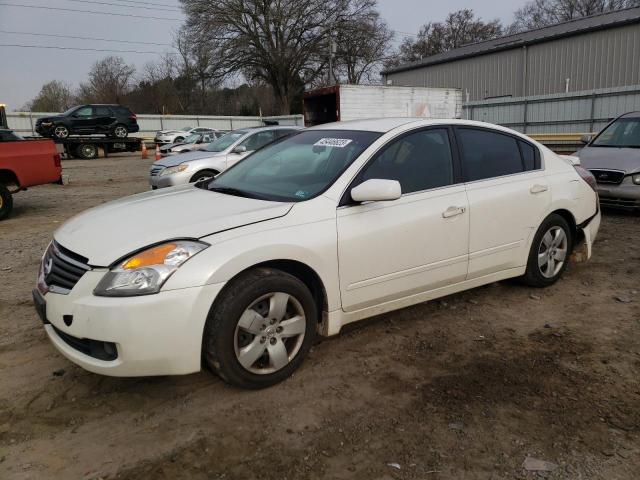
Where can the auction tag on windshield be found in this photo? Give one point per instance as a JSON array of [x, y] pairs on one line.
[[333, 142]]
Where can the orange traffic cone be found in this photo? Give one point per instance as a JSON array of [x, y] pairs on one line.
[[145, 154], [158, 156]]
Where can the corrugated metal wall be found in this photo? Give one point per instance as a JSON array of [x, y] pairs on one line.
[[23, 122], [578, 112], [594, 60]]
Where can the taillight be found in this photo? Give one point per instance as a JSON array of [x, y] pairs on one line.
[[133, 117], [56, 160], [587, 176]]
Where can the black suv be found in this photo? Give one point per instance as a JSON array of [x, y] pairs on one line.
[[112, 120]]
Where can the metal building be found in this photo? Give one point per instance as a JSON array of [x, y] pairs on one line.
[[596, 52]]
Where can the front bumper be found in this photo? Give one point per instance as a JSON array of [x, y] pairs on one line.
[[44, 130], [157, 334], [625, 196], [180, 178]]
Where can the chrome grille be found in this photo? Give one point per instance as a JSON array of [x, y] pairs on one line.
[[155, 170], [608, 176], [61, 268]]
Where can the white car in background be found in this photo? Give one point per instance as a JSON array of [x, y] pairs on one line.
[[165, 137], [216, 157], [195, 141], [331, 225]]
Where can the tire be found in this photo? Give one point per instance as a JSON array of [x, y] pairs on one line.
[[178, 139], [6, 202], [550, 251], [203, 174], [60, 132], [87, 151], [265, 349], [119, 131]]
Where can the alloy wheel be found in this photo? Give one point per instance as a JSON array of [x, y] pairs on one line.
[[120, 132], [270, 333], [552, 252], [61, 131]]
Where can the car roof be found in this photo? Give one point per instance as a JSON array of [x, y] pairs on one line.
[[384, 125], [631, 115]]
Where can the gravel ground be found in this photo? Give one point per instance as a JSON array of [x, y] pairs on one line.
[[473, 386]]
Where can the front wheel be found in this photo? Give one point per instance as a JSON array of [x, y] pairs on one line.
[[203, 176], [6, 202], [61, 132], [260, 329], [550, 251]]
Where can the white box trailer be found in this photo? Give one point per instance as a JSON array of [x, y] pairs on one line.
[[352, 102]]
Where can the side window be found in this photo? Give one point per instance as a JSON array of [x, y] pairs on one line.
[[84, 112], [419, 161], [103, 112], [258, 140], [488, 154]]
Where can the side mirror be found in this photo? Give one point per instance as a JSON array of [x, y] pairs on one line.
[[377, 190], [585, 138], [240, 149]]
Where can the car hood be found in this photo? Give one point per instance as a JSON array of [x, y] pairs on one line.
[[50, 119], [114, 230], [625, 159], [174, 160]]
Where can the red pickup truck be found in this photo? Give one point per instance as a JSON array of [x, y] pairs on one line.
[[25, 163]]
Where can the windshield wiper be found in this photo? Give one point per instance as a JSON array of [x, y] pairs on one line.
[[233, 191]]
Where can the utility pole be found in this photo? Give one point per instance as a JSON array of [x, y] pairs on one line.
[[332, 51]]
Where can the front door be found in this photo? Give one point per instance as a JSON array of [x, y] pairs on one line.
[[82, 120], [391, 250]]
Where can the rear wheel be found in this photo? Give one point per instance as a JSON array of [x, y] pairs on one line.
[[61, 132], [87, 151], [120, 131], [6, 202], [550, 251], [260, 329]]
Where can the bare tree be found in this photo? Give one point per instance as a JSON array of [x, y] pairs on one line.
[[200, 63], [361, 48], [282, 43], [109, 81], [459, 28], [54, 96], [540, 13]]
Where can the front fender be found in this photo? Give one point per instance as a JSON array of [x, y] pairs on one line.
[[314, 245]]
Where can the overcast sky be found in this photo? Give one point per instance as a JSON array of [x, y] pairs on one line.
[[24, 70]]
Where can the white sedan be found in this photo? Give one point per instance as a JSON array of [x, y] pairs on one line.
[[331, 225]]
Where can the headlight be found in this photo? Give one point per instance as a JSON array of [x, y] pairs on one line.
[[177, 169], [636, 178], [145, 272]]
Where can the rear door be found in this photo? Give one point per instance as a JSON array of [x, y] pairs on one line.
[[104, 118], [508, 195], [391, 250]]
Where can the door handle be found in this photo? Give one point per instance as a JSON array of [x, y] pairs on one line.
[[452, 212], [538, 188]]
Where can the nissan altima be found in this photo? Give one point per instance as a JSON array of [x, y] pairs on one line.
[[322, 228]]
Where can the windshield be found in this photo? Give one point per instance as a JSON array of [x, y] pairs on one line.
[[622, 133], [68, 112], [225, 141], [297, 168], [193, 138]]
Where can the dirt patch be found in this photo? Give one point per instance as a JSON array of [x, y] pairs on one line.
[[465, 387]]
